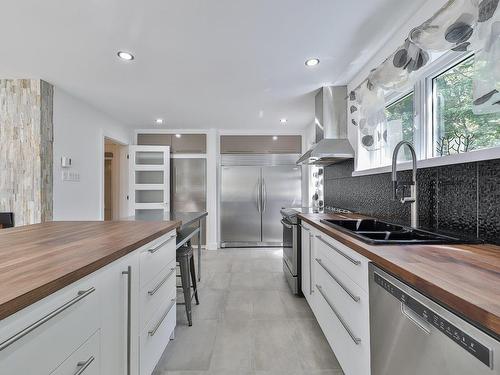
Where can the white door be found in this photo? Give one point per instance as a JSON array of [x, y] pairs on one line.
[[149, 180]]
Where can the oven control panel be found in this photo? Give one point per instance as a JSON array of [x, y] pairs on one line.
[[478, 350]]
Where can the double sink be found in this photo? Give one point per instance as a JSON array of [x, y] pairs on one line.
[[379, 232]]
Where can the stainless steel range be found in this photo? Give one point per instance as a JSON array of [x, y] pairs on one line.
[[292, 242]]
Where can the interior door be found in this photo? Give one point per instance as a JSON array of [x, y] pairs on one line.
[[281, 187], [149, 179], [240, 205]]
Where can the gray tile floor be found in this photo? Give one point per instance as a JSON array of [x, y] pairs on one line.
[[247, 323]]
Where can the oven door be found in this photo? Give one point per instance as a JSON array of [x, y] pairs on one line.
[[290, 245]]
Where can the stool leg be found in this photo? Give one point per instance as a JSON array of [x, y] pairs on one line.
[[193, 279], [186, 287]]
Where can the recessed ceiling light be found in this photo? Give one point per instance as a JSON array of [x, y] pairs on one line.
[[127, 56], [283, 120], [178, 135], [275, 138], [312, 62], [159, 121]]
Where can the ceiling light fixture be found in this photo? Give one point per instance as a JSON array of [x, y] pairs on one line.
[[178, 135], [159, 121], [275, 138], [127, 56], [312, 62], [283, 120]]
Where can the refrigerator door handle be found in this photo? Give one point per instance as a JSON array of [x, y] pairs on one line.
[[259, 196], [264, 195]]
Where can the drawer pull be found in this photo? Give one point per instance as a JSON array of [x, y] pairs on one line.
[[155, 249], [350, 259], [354, 297], [356, 340], [157, 287], [11, 340], [157, 325], [83, 365]]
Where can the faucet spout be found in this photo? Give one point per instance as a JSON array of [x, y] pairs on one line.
[[412, 199]]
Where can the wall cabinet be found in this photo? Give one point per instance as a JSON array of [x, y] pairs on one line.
[[260, 144], [335, 283], [178, 143], [100, 324]]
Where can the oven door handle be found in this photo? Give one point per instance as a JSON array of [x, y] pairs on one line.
[[286, 225]]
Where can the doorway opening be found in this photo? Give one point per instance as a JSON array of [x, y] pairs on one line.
[[115, 180]]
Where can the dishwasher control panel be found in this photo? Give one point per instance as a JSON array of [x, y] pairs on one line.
[[454, 333]]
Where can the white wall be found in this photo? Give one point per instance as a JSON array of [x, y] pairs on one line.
[[79, 132]]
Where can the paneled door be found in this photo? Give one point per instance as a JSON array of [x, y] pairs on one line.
[[149, 180]]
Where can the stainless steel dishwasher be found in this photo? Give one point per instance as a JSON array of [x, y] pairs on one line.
[[412, 335]]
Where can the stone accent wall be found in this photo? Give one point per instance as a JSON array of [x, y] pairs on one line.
[[26, 138]]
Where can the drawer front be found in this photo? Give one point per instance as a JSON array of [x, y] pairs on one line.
[[84, 361], [156, 292], [39, 338], [156, 335], [156, 256], [347, 298], [353, 354], [352, 263]]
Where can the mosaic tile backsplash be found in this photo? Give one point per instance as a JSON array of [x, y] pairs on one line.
[[460, 199]]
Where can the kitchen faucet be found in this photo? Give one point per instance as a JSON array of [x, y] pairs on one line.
[[412, 199]]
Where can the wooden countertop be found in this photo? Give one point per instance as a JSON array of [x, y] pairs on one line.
[[464, 278], [38, 260]]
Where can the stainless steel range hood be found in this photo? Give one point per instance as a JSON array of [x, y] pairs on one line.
[[332, 145]]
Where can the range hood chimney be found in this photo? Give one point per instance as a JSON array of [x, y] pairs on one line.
[[330, 125]]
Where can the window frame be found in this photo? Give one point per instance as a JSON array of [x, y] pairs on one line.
[[424, 121]]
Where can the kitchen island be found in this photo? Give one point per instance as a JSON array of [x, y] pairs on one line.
[[99, 295]]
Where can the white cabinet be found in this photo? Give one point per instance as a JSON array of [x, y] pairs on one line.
[[338, 296], [84, 361], [306, 260], [116, 321], [116, 279]]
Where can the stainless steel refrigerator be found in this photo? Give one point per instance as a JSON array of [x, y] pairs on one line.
[[188, 188], [253, 191]]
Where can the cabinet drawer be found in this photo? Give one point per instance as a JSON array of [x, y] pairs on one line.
[[346, 297], [156, 256], [353, 354], [37, 339], [84, 361], [158, 290], [348, 260], [156, 335]]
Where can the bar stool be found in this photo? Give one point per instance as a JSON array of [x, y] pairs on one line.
[[184, 257]]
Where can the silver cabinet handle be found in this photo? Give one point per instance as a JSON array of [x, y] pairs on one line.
[[349, 258], [354, 297], [157, 325], [11, 340], [286, 224], [128, 272], [311, 289], [157, 287], [155, 249], [83, 365], [356, 340]]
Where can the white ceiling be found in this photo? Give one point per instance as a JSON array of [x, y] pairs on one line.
[[230, 64]]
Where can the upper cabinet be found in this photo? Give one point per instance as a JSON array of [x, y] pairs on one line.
[[260, 144], [179, 143]]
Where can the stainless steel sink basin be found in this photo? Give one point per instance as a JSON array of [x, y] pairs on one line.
[[379, 232]]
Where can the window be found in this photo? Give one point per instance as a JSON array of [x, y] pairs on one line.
[[399, 124], [456, 129], [437, 117]]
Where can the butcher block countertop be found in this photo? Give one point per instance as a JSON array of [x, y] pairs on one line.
[[464, 278], [38, 260]]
